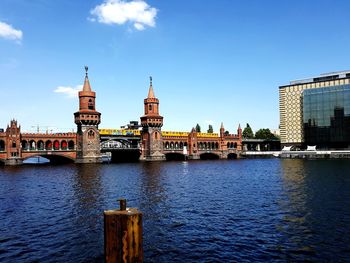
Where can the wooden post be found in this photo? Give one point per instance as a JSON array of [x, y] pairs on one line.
[[123, 235]]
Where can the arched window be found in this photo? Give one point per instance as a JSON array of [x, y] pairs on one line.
[[156, 135], [32, 145], [91, 134], [40, 145], [56, 145], [24, 145], [71, 145], [150, 107], [13, 144], [64, 145], [48, 145], [2, 145], [90, 105]]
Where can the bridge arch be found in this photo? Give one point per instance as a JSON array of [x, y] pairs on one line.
[[232, 156], [209, 156], [116, 144], [54, 158], [174, 156]]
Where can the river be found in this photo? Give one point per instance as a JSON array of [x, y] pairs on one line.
[[258, 210]]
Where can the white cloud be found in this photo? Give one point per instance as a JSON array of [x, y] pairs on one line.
[[119, 12], [8, 32], [70, 92]]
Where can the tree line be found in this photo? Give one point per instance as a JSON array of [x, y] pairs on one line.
[[247, 133], [264, 134]]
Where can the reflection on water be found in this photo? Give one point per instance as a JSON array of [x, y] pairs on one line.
[[221, 211], [316, 209]]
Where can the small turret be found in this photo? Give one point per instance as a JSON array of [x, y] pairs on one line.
[[222, 130]]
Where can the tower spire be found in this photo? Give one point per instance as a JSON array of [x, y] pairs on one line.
[[150, 91], [86, 86]]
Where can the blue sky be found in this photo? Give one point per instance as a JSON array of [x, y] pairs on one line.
[[212, 61]]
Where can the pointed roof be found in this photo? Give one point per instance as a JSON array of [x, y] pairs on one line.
[[222, 125], [150, 91], [86, 86]]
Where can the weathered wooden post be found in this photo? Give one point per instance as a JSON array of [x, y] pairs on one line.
[[123, 234]]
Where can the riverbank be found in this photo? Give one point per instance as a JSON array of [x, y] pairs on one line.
[[330, 154]]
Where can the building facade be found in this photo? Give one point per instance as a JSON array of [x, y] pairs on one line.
[[315, 111]]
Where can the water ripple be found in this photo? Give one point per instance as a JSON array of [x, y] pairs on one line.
[[267, 210]]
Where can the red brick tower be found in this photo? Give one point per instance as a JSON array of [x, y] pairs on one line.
[[87, 120], [223, 145], [13, 144], [152, 122]]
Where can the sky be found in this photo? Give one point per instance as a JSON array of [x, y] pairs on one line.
[[211, 61]]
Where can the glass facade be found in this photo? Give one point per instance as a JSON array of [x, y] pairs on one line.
[[326, 117]]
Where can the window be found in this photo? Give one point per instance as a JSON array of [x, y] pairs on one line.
[[150, 107], [90, 105], [91, 135]]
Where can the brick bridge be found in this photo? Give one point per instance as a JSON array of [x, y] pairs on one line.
[[85, 146], [16, 146]]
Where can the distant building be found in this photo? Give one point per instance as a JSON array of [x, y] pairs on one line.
[[132, 125], [316, 111]]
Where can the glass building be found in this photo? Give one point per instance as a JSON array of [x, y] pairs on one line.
[[315, 111], [326, 117]]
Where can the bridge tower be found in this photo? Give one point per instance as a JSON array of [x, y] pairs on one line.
[[87, 120], [223, 145], [151, 135], [13, 144]]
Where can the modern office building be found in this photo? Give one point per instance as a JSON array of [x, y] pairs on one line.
[[316, 111]]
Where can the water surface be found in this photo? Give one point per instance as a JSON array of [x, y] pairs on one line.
[[198, 211]]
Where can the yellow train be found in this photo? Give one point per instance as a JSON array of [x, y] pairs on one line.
[[123, 132], [129, 132]]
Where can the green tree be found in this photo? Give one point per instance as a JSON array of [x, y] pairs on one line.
[[198, 128], [265, 134], [210, 129], [227, 133], [248, 132]]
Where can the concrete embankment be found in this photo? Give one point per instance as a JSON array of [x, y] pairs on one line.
[[315, 154], [298, 154]]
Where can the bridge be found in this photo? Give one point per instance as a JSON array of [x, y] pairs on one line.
[[15, 147], [89, 142]]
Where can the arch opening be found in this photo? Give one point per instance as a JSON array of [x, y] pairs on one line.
[[71, 145], [40, 145], [209, 156], [175, 157], [32, 145], [232, 156]]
